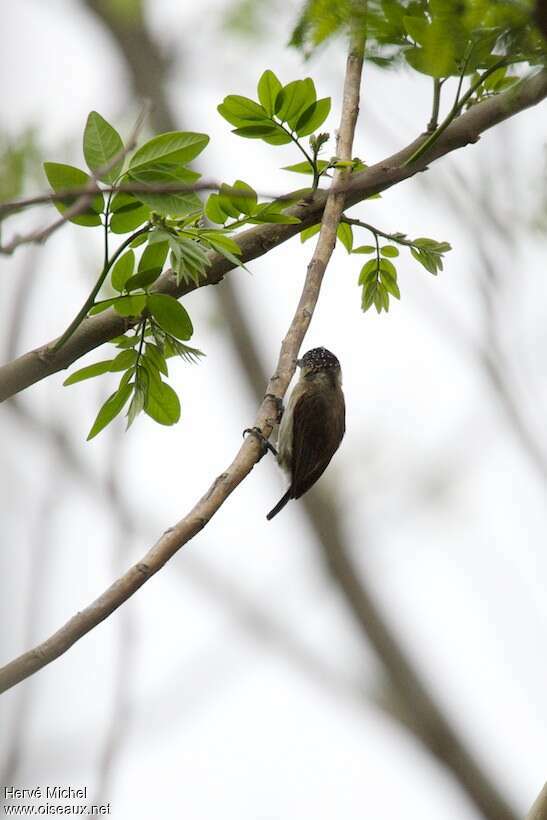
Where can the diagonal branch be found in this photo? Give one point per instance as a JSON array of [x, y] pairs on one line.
[[467, 128], [250, 451], [539, 809]]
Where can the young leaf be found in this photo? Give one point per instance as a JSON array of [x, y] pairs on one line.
[[307, 233], [88, 372], [268, 88], [312, 117], [246, 203], [213, 210], [130, 305], [62, 178], [110, 409], [364, 249], [293, 99], [102, 144], [306, 167], [124, 360], [241, 111], [345, 235], [178, 147], [142, 279], [171, 203], [154, 255], [157, 358], [170, 315], [127, 213], [257, 132], [122, 270], [389, 250], [163, 404]]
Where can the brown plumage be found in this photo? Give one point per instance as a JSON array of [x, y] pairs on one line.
[[313, 424]]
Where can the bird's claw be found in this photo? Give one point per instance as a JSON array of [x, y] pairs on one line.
[[263, 441]]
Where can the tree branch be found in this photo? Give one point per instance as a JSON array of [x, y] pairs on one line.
[[539, 809], [467, 128], [250, 451]]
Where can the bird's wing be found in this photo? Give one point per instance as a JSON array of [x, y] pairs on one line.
[[317, 432]]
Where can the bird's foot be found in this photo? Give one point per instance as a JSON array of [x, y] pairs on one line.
[[263, 441]]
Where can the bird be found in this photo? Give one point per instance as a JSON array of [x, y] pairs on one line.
[[313, 423]]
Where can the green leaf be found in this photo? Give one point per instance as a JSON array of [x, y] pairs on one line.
[[293, 99], [101, 306], [306, 167], [62, 178], [241, 111], [139, 399], [177, 147], [369, 272], [130, 305], [307, 233], [390, 283], [125, 341], [163, 404], [170, 203], [88, 372], [257, 132], [267, 213], [268, 88], [124, 360], [127, 221], [389, 250], [190, 258], [127, 213], [170, 315], [154, 354], [101, 144], [143, 279], [154, 255], [364, 249], [175, 348], [345, 235], [213, 210], [247, 203], [122, 270], [312, 117], [110, 409], [388, 266]]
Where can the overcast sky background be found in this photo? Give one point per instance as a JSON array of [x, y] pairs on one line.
[[442, 507]]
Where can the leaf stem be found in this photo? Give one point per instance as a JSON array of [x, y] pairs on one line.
[[434, 121], [452, 114], [90, 301], [377, 232]]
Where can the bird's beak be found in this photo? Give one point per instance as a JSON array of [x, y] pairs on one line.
[[299, 362]]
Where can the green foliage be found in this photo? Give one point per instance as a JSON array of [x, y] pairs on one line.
[[283, 114], [103, 148], [378, 276], [151, 199], [64, 177], [440, 38]]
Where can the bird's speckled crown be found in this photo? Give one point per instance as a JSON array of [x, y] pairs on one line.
[[319, 359]]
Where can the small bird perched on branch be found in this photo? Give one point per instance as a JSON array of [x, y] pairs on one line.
[[313, 423]]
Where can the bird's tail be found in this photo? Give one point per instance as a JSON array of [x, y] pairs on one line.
[[280, 504]]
